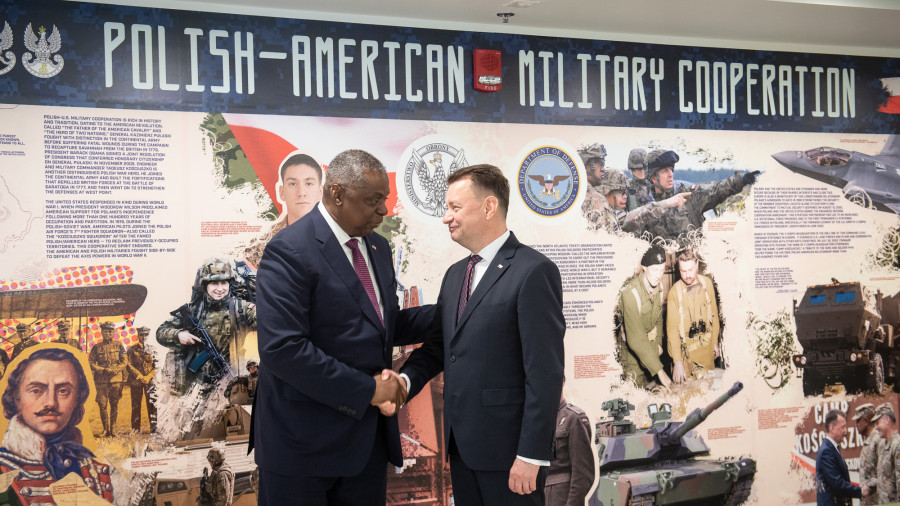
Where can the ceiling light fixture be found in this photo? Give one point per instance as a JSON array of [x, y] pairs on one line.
[[505, 16]]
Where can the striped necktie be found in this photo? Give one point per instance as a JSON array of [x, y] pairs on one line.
[[467, 284], [362, 272]]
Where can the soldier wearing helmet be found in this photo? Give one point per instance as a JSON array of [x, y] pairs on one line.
[[252, 377], [219, 487], [604, 206], [226, 317], [594, 158], [703, 197], [141, 370], [639, 193]]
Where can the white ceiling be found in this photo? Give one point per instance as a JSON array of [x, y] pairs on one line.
[[861, 27]]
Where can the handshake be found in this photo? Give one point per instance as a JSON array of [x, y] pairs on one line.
[[390, 392]]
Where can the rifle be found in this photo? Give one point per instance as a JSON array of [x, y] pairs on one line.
[[205, 498], [204, 351]]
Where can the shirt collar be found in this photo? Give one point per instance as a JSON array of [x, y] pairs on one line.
[[488, 252], [339, 233]]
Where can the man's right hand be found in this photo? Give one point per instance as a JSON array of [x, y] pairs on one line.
[[664, 379], [390, 392], [678, 372], [676, 200], [186, 338]]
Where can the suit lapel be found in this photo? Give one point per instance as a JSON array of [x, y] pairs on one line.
[[336, 257], [381, 269], [498, 267]]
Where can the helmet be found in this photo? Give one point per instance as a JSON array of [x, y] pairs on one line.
[[216, 269], [614, 180], [143, 331], [215, 456], [595, 150], [636, 159], [659, 159], [252, 363]]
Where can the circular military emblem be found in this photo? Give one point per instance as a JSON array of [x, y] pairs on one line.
[[548, 180], [428, 162]]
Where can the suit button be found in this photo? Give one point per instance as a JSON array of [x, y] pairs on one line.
[[453, 358]]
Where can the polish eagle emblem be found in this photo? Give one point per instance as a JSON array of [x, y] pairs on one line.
[[549, 183], [39, 64], [8, 59], [431, 176]]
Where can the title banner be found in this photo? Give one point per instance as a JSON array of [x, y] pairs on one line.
[[89, 55]]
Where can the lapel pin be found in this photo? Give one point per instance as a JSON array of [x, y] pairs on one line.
[[373, 247], [499, 266]]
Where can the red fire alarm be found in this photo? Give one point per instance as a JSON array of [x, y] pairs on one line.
[[487, 70]]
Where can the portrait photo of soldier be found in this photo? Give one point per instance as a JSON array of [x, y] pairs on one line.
[[23, 339], [639, 192], [44, 402], [226, 319], [299, 189], [108, 364], [218, 489], [594, 158], [679, 221], [63, 330], [692, 321], [141, 371], [640, 338]]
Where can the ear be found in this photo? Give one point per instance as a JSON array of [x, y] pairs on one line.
[[491, 206], [337, 193]]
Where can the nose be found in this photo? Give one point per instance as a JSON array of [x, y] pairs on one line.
[[447, 218], [382, 209]]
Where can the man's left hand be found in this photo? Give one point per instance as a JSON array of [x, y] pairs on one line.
[[523, 477]]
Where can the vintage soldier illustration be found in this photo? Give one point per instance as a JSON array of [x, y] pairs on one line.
[[888, 453], [107, 360], [868, 456], [692, 321], [679, 221], [639, 193], [63, 328], [218, 489], [223, 316], [604, 205], [641, 340], [141, 371], [44, 402], [571, 476]]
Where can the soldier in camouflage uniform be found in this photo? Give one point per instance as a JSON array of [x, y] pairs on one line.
[[594, 158], [639, 193], [677, 222], [888, 453], [220, 484], [868, 456], [300, 190], [107, 361], [604, 206], [226, 318], [641, 302], [141, 370]]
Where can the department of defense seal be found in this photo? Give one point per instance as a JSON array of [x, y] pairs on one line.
[[548, 180], [425, 176]]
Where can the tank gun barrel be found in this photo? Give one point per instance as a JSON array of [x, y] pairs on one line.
[[675, 432]]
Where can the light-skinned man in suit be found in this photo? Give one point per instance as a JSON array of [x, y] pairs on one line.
[[328, 319], [833, 486], [500, 348]]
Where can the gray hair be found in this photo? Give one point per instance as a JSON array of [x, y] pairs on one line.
[[349, 169]]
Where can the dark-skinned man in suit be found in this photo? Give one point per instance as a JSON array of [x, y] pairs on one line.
[[500, 347], [328, 320]]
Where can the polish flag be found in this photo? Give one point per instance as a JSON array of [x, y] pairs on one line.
[[892, 105]]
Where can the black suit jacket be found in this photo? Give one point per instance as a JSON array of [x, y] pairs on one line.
[[320, 343], [833, 485], [502, 362]]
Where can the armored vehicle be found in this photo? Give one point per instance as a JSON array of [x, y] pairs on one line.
[[658, 464], [847, 334]]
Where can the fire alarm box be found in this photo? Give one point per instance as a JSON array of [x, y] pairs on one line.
[[487, 70]]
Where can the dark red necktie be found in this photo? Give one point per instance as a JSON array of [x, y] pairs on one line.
[[467, 284], [362, 272]]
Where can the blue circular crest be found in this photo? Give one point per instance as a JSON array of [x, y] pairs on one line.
[[548, 181]]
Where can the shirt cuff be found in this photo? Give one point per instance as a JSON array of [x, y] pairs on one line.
[[535, 462], [407, 380]]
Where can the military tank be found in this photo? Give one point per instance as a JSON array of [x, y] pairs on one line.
[[658, 464]]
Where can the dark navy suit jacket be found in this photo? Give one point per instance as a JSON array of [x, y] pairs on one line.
[[833, 485], [320, 343], [503, 362]]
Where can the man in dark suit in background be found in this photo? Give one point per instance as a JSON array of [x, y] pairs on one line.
[[328, 320], [833, 485], [501, 350]]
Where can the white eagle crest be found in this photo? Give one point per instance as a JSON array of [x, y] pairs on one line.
[[8, 59], [42, 48]]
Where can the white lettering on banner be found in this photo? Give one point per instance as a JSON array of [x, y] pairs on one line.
[[436, 73]]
